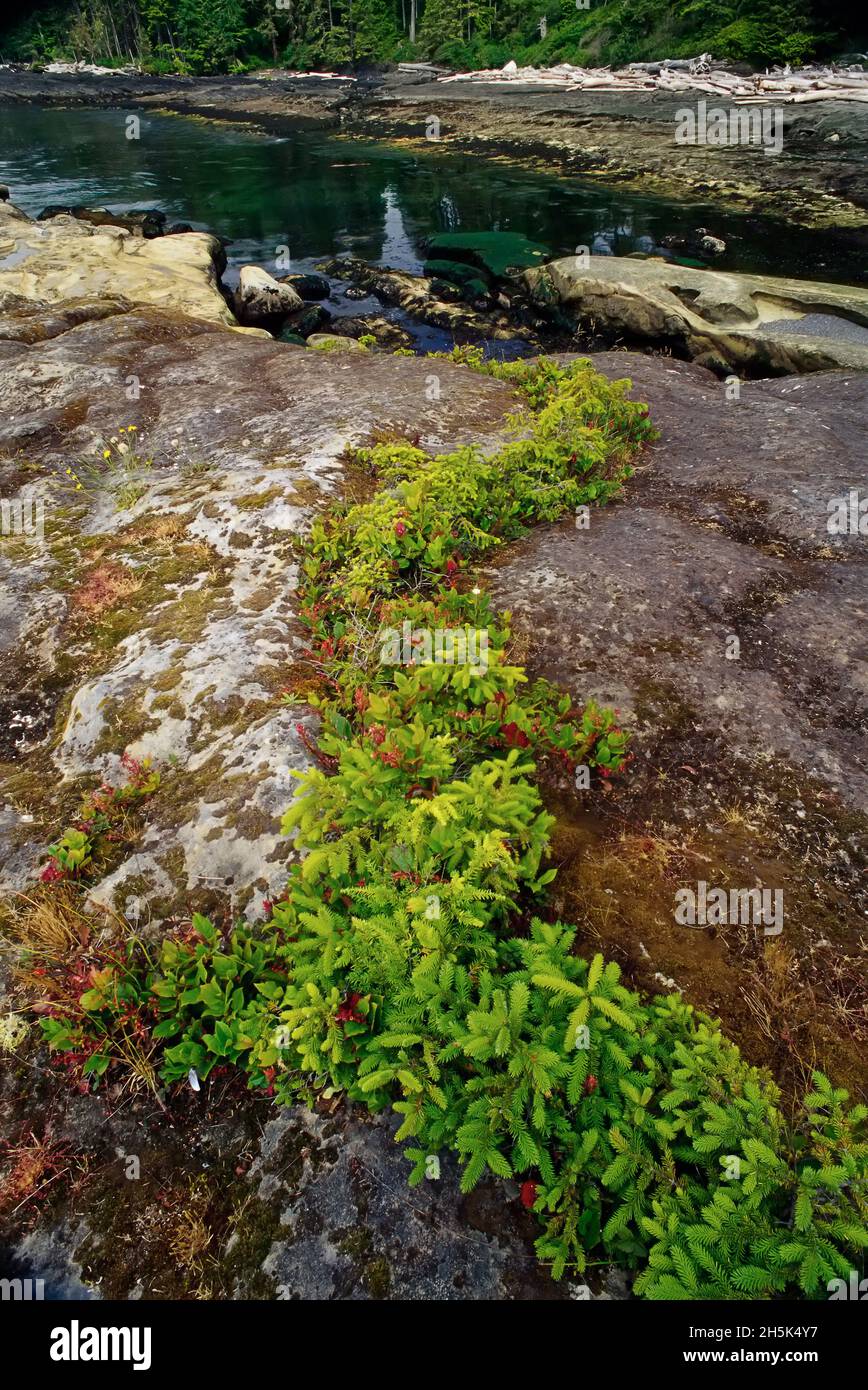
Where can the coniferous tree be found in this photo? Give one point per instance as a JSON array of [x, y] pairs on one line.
[[233, 35]]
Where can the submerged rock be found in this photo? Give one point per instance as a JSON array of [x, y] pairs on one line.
[[431, 301], [306, 321], [465, 281], [499, 254], [459, 272], [699, 242], [151, 223]]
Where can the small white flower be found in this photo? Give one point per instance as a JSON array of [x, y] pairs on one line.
[[13, 1030]]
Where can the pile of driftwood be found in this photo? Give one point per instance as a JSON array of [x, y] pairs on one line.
[[90, 69], [832, 83]]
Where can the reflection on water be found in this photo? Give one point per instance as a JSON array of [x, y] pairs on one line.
[[321, 195], [397, 248]]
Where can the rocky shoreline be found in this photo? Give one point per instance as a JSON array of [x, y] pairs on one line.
[[492, 288], [157, 618], [819, 181]]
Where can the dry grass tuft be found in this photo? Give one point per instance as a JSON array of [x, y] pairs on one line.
[[46, 925], [192, 1237]]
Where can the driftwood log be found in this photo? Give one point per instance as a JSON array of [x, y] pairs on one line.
[[826, 83]]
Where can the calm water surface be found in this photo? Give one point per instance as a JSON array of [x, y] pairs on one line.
[[321, 195]]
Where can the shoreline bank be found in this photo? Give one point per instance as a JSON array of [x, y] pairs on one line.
[[819, 181]]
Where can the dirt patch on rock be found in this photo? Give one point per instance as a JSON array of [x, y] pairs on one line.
[[715, 610]]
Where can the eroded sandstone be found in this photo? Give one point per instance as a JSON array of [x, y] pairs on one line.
[[762, 323], [63, 259]]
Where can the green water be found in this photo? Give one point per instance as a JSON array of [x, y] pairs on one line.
[[322, 195]]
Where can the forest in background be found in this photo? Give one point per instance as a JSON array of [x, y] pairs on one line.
[[237, 36]]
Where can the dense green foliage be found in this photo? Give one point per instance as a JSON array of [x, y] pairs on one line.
[[406, 966], [235, 35]]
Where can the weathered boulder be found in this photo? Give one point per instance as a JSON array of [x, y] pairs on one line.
[[262, 301], [765, 324], [64, 259], [309, 286]]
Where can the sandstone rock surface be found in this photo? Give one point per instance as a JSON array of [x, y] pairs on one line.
[[714, 607], [763, 323], [157, 613], [64, 258]]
